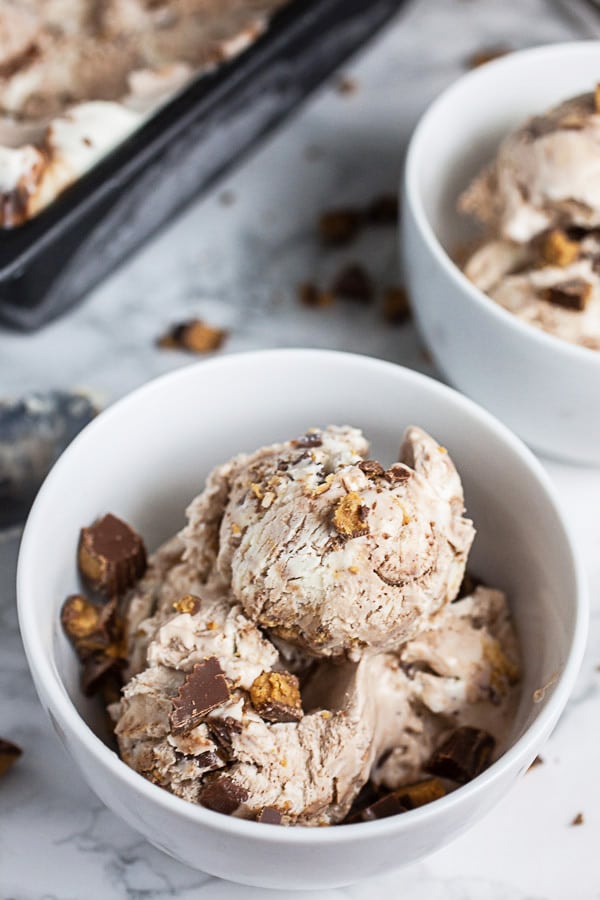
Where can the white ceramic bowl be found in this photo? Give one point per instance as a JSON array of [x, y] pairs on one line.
[[544, 388], [149, 454]]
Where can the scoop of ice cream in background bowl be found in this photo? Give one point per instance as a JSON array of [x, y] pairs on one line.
[[521, 333], [149, 455]]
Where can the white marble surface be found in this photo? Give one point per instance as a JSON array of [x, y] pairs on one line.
[[238, 265]]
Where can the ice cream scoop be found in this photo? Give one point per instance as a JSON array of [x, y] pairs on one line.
[[331, 551]]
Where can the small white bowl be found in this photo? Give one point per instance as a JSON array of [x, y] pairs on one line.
[[149, 454], [544, 388]]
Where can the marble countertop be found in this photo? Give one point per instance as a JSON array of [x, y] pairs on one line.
[[235, 258]]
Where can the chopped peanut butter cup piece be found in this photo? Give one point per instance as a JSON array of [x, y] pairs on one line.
[[84, 625], [339, 226], [187, 604], [597, 98], [353, 282], [9, 754], [558, 249], [390, 805], [420, 793], [111, 556], [350, 516], [270, 815], [223, 795], [203, 690], [194, 336], [463, 755], [222, 732], [396, 306], [276, 697], [371, 468], [572, 294]]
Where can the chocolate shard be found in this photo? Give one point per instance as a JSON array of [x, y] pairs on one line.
[[204, 688], [222, 795], [221, 732], [111, 556], [372, 468], [269, 815], [100, 670], [389, 805], [276, 697], [310, 439], [353, 282], [463, 755], [9, 754], [572, 294], [209, 760], [85, 625], [397, 473]]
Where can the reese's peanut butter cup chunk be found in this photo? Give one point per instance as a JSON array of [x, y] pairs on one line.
[[270, 815], [353, 282], [111, 555], [389, 805], [9, 754], [463, 755], [372, 469], [187, 604], [223, 795], [350, 516], [558, 249], [276, 697], [195, 336], [339, 226], [85, 624], [420, 793], [571, 294], [203, 690], [222, 732]]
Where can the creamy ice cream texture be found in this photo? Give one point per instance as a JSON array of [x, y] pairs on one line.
[[394, 665], [77, 77], [539, 203]]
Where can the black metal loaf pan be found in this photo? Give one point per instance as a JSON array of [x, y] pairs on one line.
[[47, 264]]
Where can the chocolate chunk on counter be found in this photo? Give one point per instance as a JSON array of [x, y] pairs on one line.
[[463, 755], [269, 816], [204, 688], [276, 697], [194, 335], [111, 556], [339, 226], [9, 754], [353, 282], [572, 294], [223, 795], [383, 210], [309, 294], [396, 306]]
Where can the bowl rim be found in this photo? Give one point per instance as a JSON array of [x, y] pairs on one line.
[[412, 194], [57, 702]]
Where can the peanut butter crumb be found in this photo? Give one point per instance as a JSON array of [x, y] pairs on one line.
[[354, 569], [349, 516], [235, 528], [558, 249], [257, 491]]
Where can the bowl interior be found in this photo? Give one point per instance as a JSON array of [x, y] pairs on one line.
[[146, 457], [463, 128]]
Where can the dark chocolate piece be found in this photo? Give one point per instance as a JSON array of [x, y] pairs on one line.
[[221, 732], [195, 336], [372, 468], [276, 697], [572, 294], [463, 755], [111, 556], [310, 439], [397, 473], [353, 282], [203, 690], [9, 754], [468, 585], [209, 760], [578, 820], [269, 816], [223, 795], [390, 805]]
